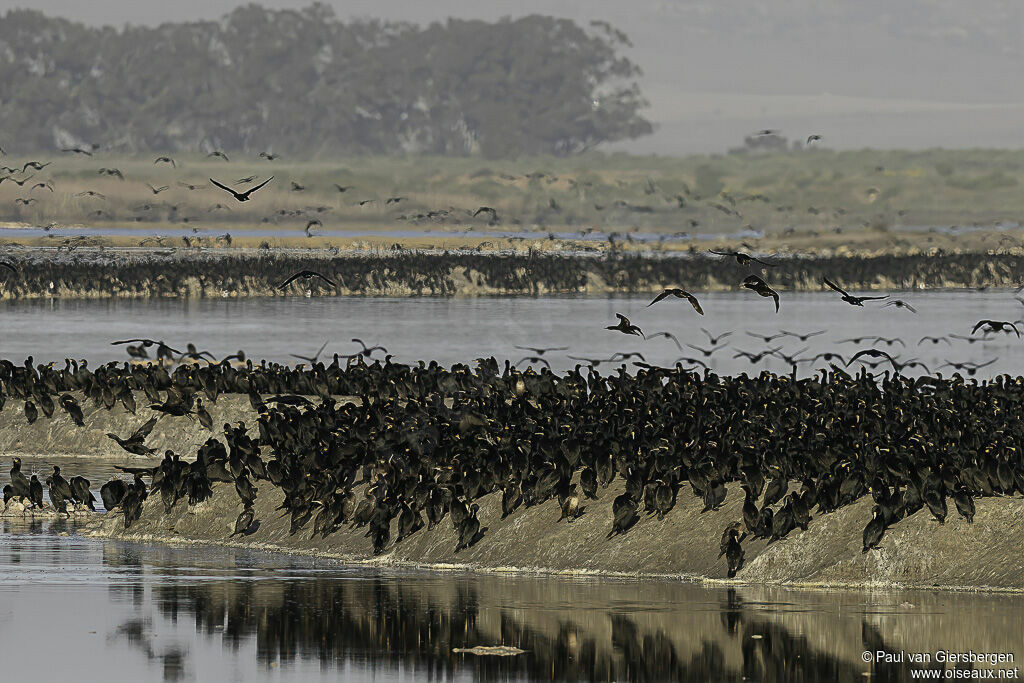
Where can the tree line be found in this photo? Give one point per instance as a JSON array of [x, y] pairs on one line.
[[305, 82]]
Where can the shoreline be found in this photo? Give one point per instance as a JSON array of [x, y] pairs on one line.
[[683, 547], [242, 273]]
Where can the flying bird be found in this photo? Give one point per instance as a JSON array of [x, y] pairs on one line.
[[900, 303], [849, 298], [241, 196], [305, 275], [157, 190], [813, 138], [679, 294], [741, 258], [996, 326], [218, 153], [166, 160], [625, 326], [758, 285]]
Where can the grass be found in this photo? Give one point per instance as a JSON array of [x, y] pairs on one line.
[[809, 193]]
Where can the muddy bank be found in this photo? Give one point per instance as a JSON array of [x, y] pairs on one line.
[[235, 273], [60, 435], [916, 552]]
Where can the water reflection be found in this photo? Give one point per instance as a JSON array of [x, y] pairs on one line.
[[196, 613]]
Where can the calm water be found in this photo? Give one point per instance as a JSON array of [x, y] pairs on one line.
[[459, 330], [123, 612], [73, 608]]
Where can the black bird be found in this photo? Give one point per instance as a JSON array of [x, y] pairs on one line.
[[679, 294], [166, 160], [734, 553], [900, 303], [874, 531], [35, 492], [241, 196], [873, 353], [625, 326], [996, 326], [741, 258], [305, 275], [77, 150], [540, 351], [934, 340], [218, 153], [756, 357], [803, 337], [813, 138], [768, 338], [667, 335], [315, 356], [367, 351], [268, 156], [849, 298], [244, 521], [157, 190], [758, 285], [489, 210]]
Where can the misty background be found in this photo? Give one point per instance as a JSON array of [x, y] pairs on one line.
[[906, 74]]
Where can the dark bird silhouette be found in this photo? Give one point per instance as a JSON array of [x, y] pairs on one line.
[[166, 160], [157, 190], [934, 340], [247, 179], [758, 285], [315, 356], [741, 258], [873, 353], [667, 335], [135, 443], [803, 337], [900, 303], [268, 156], [305, 275], [996, 326], [813, 138], [541, 351], [849, 298], [679, 294], [625, 326], [218, 153], [241, 196], [77, 150]]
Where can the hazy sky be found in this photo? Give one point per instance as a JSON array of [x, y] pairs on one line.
[[863, 73]]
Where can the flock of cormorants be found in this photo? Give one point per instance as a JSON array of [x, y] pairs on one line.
[[429, 442]]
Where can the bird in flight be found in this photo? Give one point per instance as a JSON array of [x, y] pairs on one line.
[[77, 150], [218, 153], [305, 275], [626, 327], [849, 298], [712, 339], [157, 190], [741, 258], [315, 356], [996, 326], [900, 303], [241, 196], [679, 294], [758, 285], [166, 160], [667, 335], [813, 138], [802, 337], [933, 340], [268, 156], [873, 353], [541, 351]]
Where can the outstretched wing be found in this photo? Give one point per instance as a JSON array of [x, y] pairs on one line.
[[693, 302], [835, 286], [253, 189], [142, 432], [661, 296], [325, 279], [224, 187]]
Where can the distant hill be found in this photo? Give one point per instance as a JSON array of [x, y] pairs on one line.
[[304, 82]]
